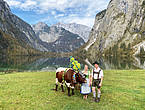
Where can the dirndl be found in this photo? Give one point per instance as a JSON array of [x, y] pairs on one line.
[[85, 88]]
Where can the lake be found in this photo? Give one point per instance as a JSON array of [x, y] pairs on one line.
[[37, 63]]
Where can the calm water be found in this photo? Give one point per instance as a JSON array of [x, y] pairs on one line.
[[25, 63]]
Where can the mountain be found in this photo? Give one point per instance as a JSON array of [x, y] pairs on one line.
[[119, 30], [57, 39], [82, 30], [94, 31], [11, 46], [16, 36], [46, 33]]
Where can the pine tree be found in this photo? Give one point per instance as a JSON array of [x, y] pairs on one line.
[[142, 52], [129, 46], [123, 46]]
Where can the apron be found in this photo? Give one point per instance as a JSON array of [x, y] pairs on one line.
[[85, 88]]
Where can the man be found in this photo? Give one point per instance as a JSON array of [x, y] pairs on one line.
[[96, 80]]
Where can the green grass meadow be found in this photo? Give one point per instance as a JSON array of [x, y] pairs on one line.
[[122, 90]]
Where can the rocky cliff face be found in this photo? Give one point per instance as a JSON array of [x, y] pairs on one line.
[[123, 22], [57, 39], [46, 33], [66, 43], [82, 30], [93, 34]]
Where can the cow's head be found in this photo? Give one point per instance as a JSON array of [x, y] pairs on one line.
[[80, 77]]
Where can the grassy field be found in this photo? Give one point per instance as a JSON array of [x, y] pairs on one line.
[[122, 90]]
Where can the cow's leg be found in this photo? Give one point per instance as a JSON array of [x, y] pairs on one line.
[[72, 90], [56, 84], [72, 87], [62, 87], [68, 88], [68, 91]]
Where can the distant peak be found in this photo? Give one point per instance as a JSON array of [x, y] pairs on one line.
[[40, 26], [73, 23], [41, 23], [59, 23]]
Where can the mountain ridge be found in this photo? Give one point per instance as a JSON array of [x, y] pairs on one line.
[[122, 27], [57, 38], [82, 30]]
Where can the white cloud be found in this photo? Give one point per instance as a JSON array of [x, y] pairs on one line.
[[45, 5], [59, 15], [88, 21], [27, 5], [60, 5], [13, 3], [53, 12], [79, 11]]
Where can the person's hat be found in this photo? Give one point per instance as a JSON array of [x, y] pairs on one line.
[[96, 63]]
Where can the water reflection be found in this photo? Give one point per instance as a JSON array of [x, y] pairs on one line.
[[115, 63], [27, 63], [120, 63], [22, 63]]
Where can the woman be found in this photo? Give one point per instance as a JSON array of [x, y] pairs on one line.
[[85, 88]]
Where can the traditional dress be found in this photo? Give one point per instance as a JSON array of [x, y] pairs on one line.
[[97, 74], [85, 88]]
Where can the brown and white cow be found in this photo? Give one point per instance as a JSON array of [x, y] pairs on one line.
[[65, 75]]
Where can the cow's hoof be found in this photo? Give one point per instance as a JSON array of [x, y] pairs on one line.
[[62, 91], [69, 95], [73, 94]]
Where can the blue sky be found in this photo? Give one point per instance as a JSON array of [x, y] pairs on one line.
[[54, 11]]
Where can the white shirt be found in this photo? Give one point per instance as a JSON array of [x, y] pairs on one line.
[[96, 75]]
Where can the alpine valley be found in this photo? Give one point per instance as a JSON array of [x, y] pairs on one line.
[[19, 38], [118, 30]]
